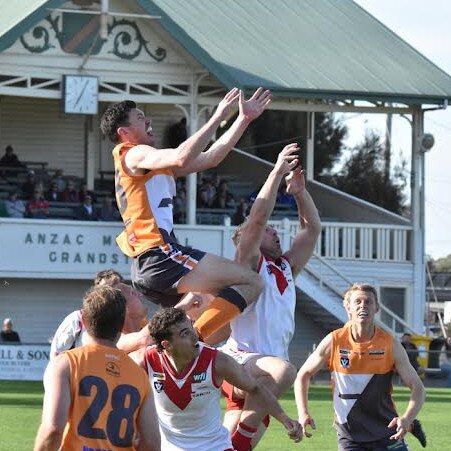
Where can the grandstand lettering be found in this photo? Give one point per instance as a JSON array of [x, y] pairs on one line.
[[54, 239], [87, 258]]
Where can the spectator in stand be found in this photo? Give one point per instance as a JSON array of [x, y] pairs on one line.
[[8, 334], [108, 211], [215, 180], [180, 206], [84, 191], [445, 360], [207, 192], [10, 159], [53, 195], [412, 352], [15, 208], [70, 194], [37, 207], [240, 213], [284, 198], [224, 198], [59, 180], [29, 186], [86, 211]]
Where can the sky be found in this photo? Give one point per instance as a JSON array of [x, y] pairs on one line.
[[426, 25]]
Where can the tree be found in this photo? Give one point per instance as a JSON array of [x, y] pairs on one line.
[[363, 176], [442, 264]]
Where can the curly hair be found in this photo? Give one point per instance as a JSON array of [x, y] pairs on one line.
[[161, 323], [116, 116], [104, 312]]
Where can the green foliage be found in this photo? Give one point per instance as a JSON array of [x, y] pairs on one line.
[[441, 264], [363, 176], [20, 414]]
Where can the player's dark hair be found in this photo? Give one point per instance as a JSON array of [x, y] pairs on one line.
[[161, 323], [104, 312], [108, 277], [116, 116]]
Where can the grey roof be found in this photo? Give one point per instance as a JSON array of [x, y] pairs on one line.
[[331, 49]]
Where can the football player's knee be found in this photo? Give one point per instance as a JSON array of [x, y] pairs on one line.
[[288, 374]]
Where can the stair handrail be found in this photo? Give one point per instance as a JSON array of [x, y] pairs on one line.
[[393, 316]]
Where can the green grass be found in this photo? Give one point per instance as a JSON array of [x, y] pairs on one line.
[[20, 413]]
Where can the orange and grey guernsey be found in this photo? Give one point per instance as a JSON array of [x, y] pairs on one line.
[[145, 203], [108, 390], [362, 385]]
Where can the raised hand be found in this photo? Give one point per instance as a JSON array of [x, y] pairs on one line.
[[252, 108], [295, 181], [226, 105], [307, 420], [287, 158]]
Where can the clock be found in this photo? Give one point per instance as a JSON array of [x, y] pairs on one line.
[[80, 94]]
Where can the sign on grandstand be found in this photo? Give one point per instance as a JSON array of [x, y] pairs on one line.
[[23, 362]]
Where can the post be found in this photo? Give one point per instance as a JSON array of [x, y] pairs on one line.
[[310, 146], [417, 207]]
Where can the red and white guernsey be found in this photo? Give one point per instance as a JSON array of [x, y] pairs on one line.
[[188, 404], [267, 325]]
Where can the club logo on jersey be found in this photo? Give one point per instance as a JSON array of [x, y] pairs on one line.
[[112, 369], [165, 202], [200, 377], [344, 362], [376, 352], [159, 386]]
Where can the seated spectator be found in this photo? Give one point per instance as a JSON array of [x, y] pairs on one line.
[[224, 198], [284, 198], [412, 352], [8, 334], [10, 159], [207, 193], [86, 211], [180, 206], [29, 186], [445, 360], [108, 211], [59, 180], [37, 207], [15, 208], [53, 195], [240, 213], [85, 192], [70, 194]]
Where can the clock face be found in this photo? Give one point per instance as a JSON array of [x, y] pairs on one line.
[[80, 94]]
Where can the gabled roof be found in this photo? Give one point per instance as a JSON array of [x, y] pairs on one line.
[[324, 49]]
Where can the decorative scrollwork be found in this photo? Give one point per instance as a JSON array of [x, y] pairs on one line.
[[37, 40], [127, 44]]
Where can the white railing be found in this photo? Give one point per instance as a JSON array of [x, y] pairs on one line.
[[352, 241]]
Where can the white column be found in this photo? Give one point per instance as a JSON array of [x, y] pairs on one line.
[[417, 206], [310, 145], [92, 147]]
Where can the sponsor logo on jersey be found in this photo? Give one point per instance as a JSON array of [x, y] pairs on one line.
[[376, 352], [159, 385], [199, 377], [345, 351], [112, 369], [344, 362], [161, 376]]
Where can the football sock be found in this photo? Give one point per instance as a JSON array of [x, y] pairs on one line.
[[242, 437]]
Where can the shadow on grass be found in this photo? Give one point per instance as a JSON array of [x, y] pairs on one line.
[[16, 402]]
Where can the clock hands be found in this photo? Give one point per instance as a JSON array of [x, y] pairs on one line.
[[81, 93]]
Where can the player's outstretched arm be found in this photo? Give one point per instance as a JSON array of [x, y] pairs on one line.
[[248, 250], [317, 360], [56, 405], [236, 375], [417, 394], [304, 242], [249, 111], [148, 430], [135, 340], [147, 157]]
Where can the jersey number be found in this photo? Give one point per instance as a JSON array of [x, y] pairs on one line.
[[125, 399]]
